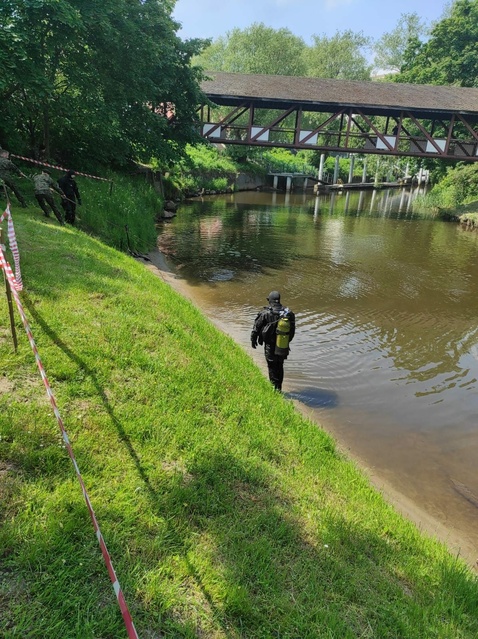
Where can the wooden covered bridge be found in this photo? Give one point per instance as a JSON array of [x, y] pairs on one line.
[[341, 116]]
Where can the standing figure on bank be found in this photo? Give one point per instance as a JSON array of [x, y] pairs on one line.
[[7, 169], [43, 193], [68, 185], [274, 327]]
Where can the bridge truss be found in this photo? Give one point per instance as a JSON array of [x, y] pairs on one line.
[[341, 120]]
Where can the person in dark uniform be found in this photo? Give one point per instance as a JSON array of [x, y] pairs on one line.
[[7, 169], [68, 185], [269, 329]]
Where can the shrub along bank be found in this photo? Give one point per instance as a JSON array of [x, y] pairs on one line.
[[454, 197], [226, 513]]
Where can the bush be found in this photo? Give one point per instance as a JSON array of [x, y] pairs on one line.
[[460, 186]]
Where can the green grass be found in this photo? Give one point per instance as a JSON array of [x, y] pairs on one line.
[[226, 513], [121, 212]]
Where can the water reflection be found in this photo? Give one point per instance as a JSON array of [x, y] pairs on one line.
[[386, 350]]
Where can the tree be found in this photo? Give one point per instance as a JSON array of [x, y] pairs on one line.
[[449, 56], [342, 56], [257, 49], [96, 80], [391, 47]]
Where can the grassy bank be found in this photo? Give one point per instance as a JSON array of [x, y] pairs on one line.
[[120, 209], [227, 514]]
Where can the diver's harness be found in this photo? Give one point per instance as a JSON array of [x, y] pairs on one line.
[[281, 329]]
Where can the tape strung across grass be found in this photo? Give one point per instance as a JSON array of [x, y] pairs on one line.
[[132, 634], [60, 168], [12, 240]]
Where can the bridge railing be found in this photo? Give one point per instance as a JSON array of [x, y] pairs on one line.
[[335, 140]]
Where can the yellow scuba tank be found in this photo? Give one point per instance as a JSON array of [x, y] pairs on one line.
[[282, 336]]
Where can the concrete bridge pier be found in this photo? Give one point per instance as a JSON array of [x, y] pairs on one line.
[[321, 167], [288, 184], [351, 170], [364, 171], [377, 171], [336, 169], [275, 181]]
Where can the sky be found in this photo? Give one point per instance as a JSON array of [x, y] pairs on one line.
[[305, 18]]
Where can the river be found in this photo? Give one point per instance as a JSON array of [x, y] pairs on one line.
[[386, 351]]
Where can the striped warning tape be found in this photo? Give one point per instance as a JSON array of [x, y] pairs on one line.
[[132, 634], [12, 240], [60, 168]]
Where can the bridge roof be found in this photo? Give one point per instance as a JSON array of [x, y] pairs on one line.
[[320, 94]]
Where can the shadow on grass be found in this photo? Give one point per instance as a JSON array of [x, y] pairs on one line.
[[258, 568], [99, 388], [180, 543], [278, 579]]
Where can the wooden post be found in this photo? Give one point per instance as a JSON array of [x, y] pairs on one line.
[[10, 303]]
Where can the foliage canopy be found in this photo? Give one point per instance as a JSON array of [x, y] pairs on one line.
[[95, 80], [261, 49], [449, 56], [257, 49]]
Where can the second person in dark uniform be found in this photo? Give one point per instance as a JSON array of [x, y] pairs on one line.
[[68, 185]]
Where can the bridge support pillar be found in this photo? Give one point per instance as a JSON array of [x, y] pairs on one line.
[[336, 170], [376, 172], [275, 181], [321, 166], [288, 184], [351, 169], [364, 171]]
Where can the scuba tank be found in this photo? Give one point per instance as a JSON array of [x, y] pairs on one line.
[[282, 334]]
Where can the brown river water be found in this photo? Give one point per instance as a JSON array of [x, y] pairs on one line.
[[386, 351]]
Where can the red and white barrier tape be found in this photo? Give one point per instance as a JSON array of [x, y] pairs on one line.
[[132, 634], [60, 168], [12, 240]]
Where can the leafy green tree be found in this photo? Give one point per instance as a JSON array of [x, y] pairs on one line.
[[96, 80], [391, 47], [450, 55], [342, 56], [257, 49]]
